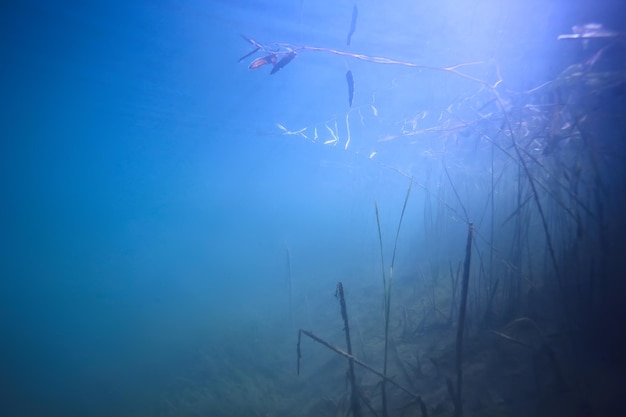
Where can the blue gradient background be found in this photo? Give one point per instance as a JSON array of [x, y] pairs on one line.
[[147, 195]]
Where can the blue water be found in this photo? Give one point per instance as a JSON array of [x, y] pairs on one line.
[[149, 197]]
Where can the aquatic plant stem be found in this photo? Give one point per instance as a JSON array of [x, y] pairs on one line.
[[386, 310], [380, 241], [445, 169], [288, 276], [533, 188], [361, 364], [381, 60], [354, 394], [387, 288], [458, 392]]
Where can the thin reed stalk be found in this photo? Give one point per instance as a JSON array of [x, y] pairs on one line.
[[458, 392], [288, 278], [387, 288], [533, 188], [354, 394], [456, 194]]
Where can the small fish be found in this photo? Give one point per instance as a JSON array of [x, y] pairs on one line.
[[355, 13], [259, 62], [350, 80], [283, 61]]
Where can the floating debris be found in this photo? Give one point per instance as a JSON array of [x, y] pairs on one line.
[[249, 53], [590, 30], [283, 61], [335, 136], [289, 132], [259, 62]]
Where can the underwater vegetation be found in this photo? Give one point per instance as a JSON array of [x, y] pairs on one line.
[[524, 318]]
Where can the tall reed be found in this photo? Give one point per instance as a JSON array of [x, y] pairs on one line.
[[288, 279], [387, 287], [458, 406]]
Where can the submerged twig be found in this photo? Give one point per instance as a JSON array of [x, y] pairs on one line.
[[363, 365]]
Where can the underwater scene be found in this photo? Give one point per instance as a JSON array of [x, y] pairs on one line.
[[297, 208]]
